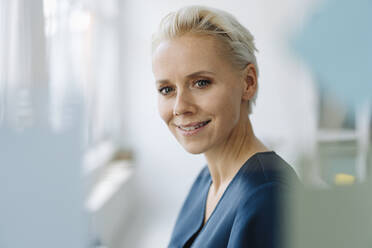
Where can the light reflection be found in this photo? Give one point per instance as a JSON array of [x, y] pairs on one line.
[[79, 20], [61, 12]]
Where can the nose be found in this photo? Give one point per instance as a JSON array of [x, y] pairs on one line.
[[183, 104]]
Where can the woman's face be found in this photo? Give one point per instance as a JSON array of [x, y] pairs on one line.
[[199, 91]]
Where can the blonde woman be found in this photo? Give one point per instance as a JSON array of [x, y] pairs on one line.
[[206, 75]]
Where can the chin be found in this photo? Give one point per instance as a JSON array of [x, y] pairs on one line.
[[194, 150]]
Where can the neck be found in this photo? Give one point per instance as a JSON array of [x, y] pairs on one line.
[[225, 160]]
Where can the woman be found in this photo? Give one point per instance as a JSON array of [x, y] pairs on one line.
[[206, 75]]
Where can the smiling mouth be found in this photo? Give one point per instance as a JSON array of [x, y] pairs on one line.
[[194, 127]]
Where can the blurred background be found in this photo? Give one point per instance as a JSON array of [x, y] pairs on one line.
[[83, 167]]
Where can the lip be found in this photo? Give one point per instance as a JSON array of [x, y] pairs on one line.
[[192, 132], [191, 124]]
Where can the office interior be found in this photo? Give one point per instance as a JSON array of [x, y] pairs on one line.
[[87, 161]]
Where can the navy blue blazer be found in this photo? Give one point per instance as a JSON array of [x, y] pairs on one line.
[[247, 215]]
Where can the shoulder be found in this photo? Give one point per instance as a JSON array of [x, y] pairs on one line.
[[202, 178], [263, 197], [267, 168], [267, 182], [257, 220], [200, 183], [203, 174], [264, 184]]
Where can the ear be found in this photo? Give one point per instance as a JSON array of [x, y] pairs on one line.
[[249, 82]]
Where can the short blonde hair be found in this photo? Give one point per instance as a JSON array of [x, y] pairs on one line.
[[210, 21]]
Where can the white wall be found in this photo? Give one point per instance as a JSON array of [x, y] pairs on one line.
[[284, 116]]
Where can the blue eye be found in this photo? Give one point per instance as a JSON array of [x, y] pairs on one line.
[[202, 83], [165, 90]]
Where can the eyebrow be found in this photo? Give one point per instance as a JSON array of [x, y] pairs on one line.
[[194, 74]]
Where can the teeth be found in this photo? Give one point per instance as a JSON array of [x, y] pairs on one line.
[[194, 127]]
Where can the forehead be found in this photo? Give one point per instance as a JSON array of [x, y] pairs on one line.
[[187, 54]]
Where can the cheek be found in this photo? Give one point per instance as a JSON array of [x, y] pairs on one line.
[[228, 108], [165, 109]]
